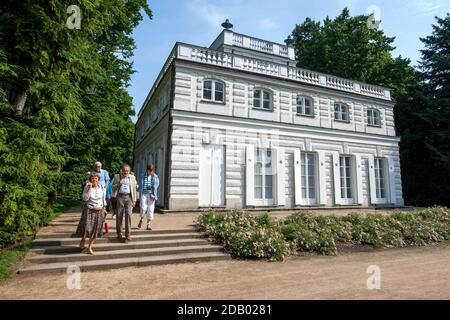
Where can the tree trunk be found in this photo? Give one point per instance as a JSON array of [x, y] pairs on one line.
[[20, 102]]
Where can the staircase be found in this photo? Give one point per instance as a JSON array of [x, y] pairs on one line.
[[56, 251]]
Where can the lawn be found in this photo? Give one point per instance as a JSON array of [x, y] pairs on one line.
[[11, 256]]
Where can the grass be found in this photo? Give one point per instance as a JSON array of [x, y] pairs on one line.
[[10, 257]]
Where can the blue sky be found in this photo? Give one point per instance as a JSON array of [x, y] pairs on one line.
[[198, 22]]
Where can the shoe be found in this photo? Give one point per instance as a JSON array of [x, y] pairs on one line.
[[149, 228], [128, 238], [119, 237], [140, 224]]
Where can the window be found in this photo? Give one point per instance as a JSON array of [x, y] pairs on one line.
[[262, 99], [380, 178], [308, 176], [213, 90], [341, 112], [305, 106], [346, 177], [373, 117], [263, 176]]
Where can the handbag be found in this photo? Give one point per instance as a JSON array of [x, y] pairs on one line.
[[113, 201]]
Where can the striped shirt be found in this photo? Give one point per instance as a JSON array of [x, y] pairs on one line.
[[148, 188]]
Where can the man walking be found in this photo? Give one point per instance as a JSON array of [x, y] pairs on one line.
[[104, 175], [124, 188]]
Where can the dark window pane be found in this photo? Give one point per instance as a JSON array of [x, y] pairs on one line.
[[268, 193], [218, 96], [207, 84], [257, 103], [268, 182], [207, 94]]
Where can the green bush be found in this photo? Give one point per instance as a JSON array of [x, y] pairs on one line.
[[244, 235]]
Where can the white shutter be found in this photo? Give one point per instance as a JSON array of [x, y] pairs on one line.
[[279, 165], [337, 178], [392, 188], [297, 178], [250, 175], [359, 185], [373, 191], [322, 178]]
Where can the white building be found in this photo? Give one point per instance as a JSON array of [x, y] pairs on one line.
[[237, 125]]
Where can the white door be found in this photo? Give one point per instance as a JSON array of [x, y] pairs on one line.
[[212, 176]]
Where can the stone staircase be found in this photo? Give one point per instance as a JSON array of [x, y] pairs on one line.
[[56, 251]]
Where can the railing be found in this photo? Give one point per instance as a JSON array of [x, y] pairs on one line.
[[211, 57], [240, 40], [260, 66]]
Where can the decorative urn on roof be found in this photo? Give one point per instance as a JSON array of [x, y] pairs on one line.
[[227, 24]]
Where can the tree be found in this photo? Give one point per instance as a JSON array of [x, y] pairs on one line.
[[425, 124], [52, 125]]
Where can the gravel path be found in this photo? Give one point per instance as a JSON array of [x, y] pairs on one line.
[[406, 273]]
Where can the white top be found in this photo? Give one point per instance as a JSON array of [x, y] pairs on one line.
[[125, 187], [95, 197]]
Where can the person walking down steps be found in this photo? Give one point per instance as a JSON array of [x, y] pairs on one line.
[[93, 215], [148, 191], [124, 188]]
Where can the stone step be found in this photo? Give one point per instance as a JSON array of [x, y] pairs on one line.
[[112, 238], [91, 265], [110, 246], [112, 233], [118, 254]]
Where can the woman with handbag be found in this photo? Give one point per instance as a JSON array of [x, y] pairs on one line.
[[148, 188], [94, 212]]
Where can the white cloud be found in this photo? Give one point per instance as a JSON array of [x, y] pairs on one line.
[[212, 14], [427, 7], [267, 23]]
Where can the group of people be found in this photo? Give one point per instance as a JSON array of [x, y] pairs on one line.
[[119, 196]]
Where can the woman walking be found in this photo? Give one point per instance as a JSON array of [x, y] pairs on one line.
[[93, 215], [148, 188]]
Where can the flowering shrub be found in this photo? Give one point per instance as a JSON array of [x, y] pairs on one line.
[[244, 235]]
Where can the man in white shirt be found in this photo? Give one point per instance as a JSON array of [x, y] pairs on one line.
[[124, 188]]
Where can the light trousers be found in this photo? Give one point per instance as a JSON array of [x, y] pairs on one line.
[[147, 207]]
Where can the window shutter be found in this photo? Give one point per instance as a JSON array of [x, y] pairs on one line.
[[359, 186], [337, 178], [322, 178], [373, 191], [279, 163], [392, 187], [297, 178], [250, 175]]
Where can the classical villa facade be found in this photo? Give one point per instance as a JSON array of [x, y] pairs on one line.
[[238, 125]]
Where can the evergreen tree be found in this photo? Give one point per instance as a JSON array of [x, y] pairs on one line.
[[425, 124], [52, 124]]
